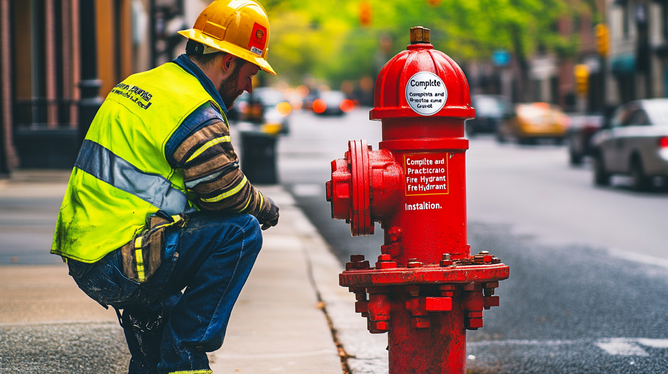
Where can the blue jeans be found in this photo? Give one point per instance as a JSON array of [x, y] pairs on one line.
[[182, 311]]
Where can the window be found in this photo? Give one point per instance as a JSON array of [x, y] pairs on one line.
[[621, 117], [638, 118]]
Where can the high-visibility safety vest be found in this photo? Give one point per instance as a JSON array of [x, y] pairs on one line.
[[122, 175]]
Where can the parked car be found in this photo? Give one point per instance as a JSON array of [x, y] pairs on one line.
[[276, 107], [533, 121], [265, 107], [332, 103], [490, 111], [634, 142], [579, 134]]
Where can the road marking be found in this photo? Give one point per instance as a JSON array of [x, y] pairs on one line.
[[654, 343], [621, 347], [612, 346], [524, 342], [639, 257]]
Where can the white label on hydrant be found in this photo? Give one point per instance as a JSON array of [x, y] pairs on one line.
[[426, 93], [426, 173]]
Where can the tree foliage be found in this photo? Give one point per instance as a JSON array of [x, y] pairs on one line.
[[324, 38]]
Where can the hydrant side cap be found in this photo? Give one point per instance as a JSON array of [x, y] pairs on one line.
[[390, 99]]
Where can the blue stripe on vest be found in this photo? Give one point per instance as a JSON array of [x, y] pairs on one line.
[[198, 119], [156, 190]]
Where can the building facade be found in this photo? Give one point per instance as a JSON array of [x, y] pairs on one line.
[[635, 67], [50, 48]]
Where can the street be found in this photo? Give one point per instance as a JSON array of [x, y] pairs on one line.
[[588, 290], [588, 285]]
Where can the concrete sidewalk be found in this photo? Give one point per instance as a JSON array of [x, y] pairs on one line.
[[279, 324]]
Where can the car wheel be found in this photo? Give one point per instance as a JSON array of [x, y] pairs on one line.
[[639, 180], [575, 158], [526, 141], [601, 175]]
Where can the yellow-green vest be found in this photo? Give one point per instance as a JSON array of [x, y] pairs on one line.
[[122, 175]]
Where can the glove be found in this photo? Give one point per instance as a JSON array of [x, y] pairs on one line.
[[270, 217]]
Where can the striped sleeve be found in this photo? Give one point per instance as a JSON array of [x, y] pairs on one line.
[[202, 148]]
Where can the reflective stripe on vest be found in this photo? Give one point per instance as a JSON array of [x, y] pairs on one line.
[[156, 190]]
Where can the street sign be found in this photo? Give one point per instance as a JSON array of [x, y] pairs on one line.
[[500, 57]]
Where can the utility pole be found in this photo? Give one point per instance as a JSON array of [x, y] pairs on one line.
[[89, 85], [643, 58]]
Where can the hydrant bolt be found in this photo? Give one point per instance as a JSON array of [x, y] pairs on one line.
[[446, 261], [362, 264], [385, 262], [384, 257], [356, 258], [394, 233]]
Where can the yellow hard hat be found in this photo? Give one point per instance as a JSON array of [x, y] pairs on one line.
[[238, 27]]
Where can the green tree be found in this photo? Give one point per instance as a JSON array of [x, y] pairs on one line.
[[325, 38]]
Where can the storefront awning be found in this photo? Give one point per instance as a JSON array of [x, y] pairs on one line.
[[625, 64]]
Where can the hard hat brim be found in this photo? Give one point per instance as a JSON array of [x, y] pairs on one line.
[[224, 46]]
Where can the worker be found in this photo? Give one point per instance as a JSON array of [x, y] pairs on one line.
[[158, 221]]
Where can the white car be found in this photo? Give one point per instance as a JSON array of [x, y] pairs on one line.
[[634, 142]]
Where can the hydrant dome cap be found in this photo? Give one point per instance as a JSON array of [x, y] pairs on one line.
[[390, 94]]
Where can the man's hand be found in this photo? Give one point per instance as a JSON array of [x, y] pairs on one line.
[[270, 218]]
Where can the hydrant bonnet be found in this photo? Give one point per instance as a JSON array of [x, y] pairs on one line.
[[434, 82]]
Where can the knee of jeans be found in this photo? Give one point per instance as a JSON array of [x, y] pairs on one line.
[[253, 233]]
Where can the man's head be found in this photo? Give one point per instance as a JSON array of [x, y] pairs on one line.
[[231, 75], [237, 27]]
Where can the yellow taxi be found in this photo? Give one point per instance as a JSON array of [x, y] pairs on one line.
[[533, 121]]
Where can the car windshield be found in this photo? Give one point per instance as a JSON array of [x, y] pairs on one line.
[[332, 96], [489, 106], [533, 112], [269, 96]]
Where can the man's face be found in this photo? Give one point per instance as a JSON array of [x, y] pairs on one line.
[[237, 82]]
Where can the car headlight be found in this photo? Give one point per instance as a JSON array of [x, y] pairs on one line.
[[284, 108]]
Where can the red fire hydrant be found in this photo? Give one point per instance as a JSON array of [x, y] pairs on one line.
[[426, 288]]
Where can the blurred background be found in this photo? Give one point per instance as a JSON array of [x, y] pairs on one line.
[[580, 56]]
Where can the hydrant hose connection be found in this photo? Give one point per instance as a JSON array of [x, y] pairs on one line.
[[426, 289]]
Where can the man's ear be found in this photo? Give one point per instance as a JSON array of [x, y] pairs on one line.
[[227, 62]]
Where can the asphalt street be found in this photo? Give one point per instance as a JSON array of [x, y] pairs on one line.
[[589, 267], [588, 288]]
